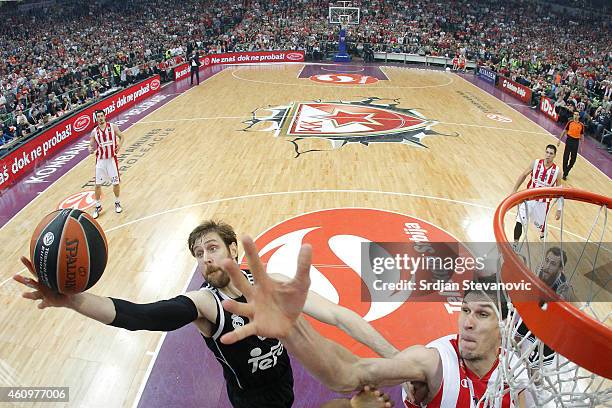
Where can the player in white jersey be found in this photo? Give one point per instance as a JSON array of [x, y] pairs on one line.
[[106, 140], [544, 173], [274, 309]]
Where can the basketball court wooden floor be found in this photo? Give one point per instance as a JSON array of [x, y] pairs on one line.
[[267, 151]]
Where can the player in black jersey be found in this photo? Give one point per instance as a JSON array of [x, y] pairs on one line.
[[257, 369], [551, 273]]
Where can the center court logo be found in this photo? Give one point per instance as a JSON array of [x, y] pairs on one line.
[[365, 121], [336, 236], [81, 123], [344, 79]]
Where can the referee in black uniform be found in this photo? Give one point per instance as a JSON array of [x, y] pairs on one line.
[[194, 62]]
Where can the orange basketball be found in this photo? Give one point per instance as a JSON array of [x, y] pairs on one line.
[[69, 251]]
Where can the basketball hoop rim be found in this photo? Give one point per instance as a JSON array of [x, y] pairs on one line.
[[593, 337]]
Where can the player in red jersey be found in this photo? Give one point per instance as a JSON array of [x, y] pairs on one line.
[[544, 173], [106, 140]]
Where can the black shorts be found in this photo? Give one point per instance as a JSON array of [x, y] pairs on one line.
[[548, 354], [277, 395]]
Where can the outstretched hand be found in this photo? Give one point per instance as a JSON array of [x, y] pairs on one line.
[[370, 397], [49, 297], [273, 306]]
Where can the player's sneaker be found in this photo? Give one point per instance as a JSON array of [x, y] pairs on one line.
[[118, 208], [97, 211]]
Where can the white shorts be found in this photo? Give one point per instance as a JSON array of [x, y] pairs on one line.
[[107, 170], [533, 211]]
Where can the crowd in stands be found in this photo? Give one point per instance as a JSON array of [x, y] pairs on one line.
[[60, 57]]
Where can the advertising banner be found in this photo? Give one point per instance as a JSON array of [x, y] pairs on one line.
[[19, 162]]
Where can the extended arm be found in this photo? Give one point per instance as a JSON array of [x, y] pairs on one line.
[[165, 315], [92, 144], [521, 179], [274, 310], [342, 371], [346, 320], [120, 136]]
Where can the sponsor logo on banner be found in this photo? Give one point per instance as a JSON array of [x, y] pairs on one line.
[[82, 122], [515, 89], [366, 121], [499, 118], [254, 57], [295, 56], [206, 61], [336, 236], [547, 106], [16, 164], [79, 201], [181, 71], [487, 75], [344, 79]]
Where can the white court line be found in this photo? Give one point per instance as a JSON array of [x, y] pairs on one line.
[[9, 278], [344, 72], [86, 157], [155, 353], [300, 73], [451, 80], [532, 121], [248, 117]]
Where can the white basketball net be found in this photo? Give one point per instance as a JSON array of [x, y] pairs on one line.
[[555, 382]]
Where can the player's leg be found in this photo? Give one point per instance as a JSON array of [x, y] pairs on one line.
[[566, 154], [113, 169], [100, 177], [521, 219], [540, 212], [573, 155]]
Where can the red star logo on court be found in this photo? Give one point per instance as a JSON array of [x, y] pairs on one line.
[[343, 118]]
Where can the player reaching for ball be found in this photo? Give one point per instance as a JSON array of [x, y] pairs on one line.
[[256, 369]]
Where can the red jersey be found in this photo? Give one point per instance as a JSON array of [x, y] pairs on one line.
[[461, 388], [542, 176], [106, 142]]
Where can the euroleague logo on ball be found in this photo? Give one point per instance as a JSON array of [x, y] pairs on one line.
[[336, 236], [344, 79], [295, 56], [48, 239], [79, 201], [155, 84], [81, 123]]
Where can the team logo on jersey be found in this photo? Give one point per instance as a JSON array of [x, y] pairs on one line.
[[81, 123], [366, 121], [344, 79], [237, 321], [336, 236], [80, 201]]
